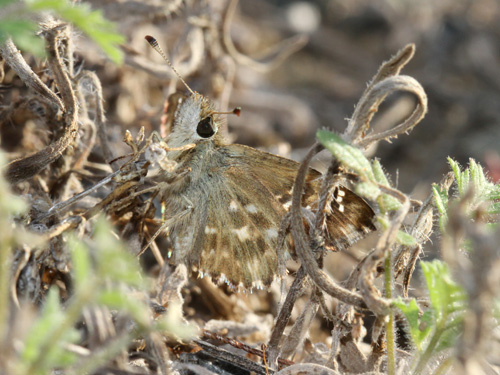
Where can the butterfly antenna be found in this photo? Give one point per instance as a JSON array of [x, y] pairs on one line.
[[236, 111], [154, 43]]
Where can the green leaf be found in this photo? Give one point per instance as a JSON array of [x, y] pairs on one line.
[[41, 333], [113, 260], [367, 190], [478, 179], [91, 22], [173, 324], [82, 269], [441, 199], [23, 34], [405, 239], [379, 173], [419, 330], [348, 155], [386, 202], [449, 336], [446, 296], [4, 3], [462, 179], [116, 299]]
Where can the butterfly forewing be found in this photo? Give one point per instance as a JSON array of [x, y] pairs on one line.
[[236, 209]]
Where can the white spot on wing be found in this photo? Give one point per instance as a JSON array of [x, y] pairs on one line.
[[271, 233], [341, 193], [242, 233], [287, 205], [209, 230], [251, 208], [233, 206], [341, 208]]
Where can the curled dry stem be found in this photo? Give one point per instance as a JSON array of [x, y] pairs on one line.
[[22, 169], [385, 82], [277, 55]]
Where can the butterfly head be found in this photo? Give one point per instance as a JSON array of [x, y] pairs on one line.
[[195, 121]]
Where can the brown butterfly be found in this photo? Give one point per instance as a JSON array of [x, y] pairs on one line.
[[225, 210]]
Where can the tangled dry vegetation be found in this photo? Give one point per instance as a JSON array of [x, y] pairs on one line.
[[79, 296]]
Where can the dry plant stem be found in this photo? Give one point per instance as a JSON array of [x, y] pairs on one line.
[[281, 52], [296, 336], [110, 198], [307, 368], [393, 66], [375, 98], [240, 361], [157, 253], [360, 120], [242, 346], [13, 57], [370, 293], [68, 223], [61, 206], [410, 267], [389, 327], [301, 240], [100, 119], [284, 316], [328, 314], [100, 356], [385, 82], [327, 187], [421, 230], [20, 170]]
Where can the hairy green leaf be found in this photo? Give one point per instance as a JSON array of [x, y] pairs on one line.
[[348, 155]]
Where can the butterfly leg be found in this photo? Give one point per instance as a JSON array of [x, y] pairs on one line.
[[165, 226]]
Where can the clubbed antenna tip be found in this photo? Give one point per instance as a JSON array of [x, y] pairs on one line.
[[154, 43]]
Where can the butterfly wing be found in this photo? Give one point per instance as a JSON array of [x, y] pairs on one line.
[[232, 230], [348, 218], [236, 208]]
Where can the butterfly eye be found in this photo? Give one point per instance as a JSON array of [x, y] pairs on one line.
[[205, 127]]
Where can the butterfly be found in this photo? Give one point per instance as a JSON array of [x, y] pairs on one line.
[[226, 208]]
